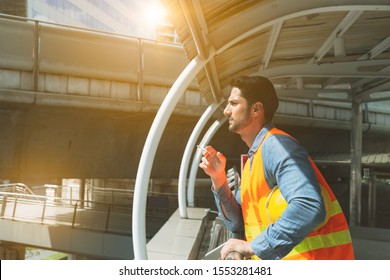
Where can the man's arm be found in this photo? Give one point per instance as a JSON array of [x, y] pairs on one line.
[[286, 165], [214, 164]]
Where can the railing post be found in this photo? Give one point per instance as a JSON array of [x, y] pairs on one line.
[[43, 211], [13, 213], [74, 214], [3, 206]]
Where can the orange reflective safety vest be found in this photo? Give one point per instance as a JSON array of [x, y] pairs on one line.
[[330, 242]]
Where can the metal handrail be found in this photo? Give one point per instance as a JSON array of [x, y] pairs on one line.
[[15, 187], [37, 208], [91, 30], [111, 217]]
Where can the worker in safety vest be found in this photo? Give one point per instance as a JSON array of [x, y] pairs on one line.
[[284, 205]]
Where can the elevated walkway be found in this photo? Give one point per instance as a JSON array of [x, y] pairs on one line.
[[77, 68], [92, 229]]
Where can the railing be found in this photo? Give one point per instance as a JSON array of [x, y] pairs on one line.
[[119, 68], [114, 217], [16, 188], [97, 216]]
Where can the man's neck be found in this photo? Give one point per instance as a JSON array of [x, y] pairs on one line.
[[250, 137]]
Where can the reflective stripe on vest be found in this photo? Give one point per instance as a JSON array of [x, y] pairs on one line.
[[311, 243]]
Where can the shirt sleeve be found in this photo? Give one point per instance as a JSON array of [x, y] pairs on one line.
[[229, 206], [286, 165]]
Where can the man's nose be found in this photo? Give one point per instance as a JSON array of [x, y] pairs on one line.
[[227, 111]]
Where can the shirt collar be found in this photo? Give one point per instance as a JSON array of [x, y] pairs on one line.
[[259, 138]]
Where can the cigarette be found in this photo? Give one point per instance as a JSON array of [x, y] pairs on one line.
[[203, 149]]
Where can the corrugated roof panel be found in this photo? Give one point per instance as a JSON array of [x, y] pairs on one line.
[[371, 24], [303, 36]]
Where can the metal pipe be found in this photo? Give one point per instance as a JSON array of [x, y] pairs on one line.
[[181, 188], [3, 205], [43, 211], [149, 152], [14, 211], [198, 154], [74, 214]]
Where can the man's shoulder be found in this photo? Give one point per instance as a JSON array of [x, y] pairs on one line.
[[281, 141]]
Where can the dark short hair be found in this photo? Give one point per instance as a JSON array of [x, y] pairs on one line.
[[258, 89]]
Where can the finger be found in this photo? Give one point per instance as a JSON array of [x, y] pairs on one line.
[[221, 157], [205, 161], [225, 250], [203, 150], [234, 255], [211, 150]]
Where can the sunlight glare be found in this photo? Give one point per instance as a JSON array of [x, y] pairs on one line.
[[155, 14]]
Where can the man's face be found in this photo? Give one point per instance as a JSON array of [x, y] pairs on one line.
[[238, 111]]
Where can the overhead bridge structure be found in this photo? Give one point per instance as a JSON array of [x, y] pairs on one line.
[[310, 50], [77, 103]]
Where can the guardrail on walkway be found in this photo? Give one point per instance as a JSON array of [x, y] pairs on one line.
[[107, 217], [112, 217], [16, 188]]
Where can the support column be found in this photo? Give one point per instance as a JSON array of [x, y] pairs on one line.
[[356, 164], [372, 200], [82, 193]]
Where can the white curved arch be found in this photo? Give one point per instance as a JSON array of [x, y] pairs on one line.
[[181, 191], [149, 152], [195, 162]]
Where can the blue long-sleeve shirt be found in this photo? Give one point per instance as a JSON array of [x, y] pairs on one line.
[[286, 165]]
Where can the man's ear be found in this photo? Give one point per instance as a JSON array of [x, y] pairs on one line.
[[257, 106]]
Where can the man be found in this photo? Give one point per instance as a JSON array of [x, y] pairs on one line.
[[312, 225]]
